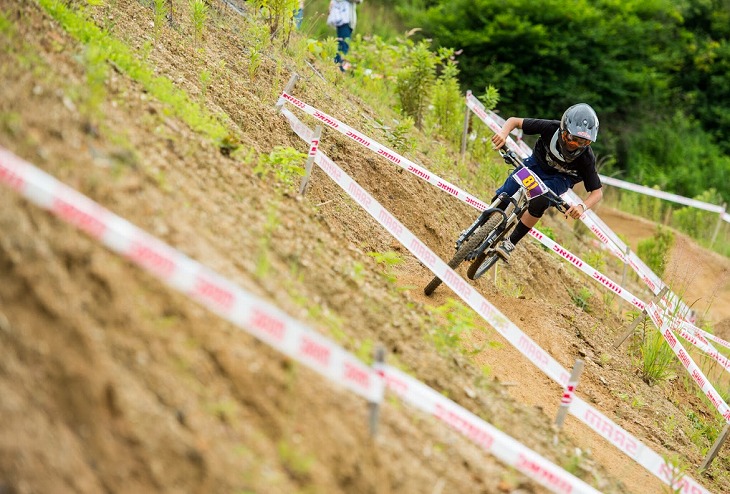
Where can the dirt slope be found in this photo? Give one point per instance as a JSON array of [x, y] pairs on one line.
[[110, 382]]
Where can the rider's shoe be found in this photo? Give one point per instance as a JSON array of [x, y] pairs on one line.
[[504, 249]]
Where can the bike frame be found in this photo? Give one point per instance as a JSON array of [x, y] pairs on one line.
[[530, 187]]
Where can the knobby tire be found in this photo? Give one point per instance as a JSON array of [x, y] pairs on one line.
[[492, 223], [472, 243]]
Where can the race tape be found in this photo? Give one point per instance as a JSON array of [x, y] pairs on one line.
[[385, 152], [476, 106], [299, 127], [492, 440], [664, 325], [632, 447], [663, 195], [615, 245], [710, 336], [603, 426], [590, 271], [699, 341], [248, 312]]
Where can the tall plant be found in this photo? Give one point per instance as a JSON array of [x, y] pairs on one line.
[[447, 102], [279, 16], [415, 81]]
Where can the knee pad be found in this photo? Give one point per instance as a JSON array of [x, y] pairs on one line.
[[538, 206]]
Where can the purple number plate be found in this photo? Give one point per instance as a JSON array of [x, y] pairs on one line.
[[531, 182]]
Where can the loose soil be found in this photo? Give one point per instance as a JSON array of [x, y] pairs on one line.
[[111, 382]]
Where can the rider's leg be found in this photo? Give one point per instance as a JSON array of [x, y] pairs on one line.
[[529, 219], [535, 210]]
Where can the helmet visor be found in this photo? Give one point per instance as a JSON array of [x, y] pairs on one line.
[[575, 141]]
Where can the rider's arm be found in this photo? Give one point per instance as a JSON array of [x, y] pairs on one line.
[[591, 200], [500, 138]]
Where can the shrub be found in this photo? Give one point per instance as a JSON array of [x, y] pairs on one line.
[[654, 251]]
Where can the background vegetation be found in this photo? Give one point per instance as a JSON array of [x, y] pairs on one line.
[[655, 71]]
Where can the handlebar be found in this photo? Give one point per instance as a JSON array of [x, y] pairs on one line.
[[511, 158]]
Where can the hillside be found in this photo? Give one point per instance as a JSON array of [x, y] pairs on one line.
[[112, 382]]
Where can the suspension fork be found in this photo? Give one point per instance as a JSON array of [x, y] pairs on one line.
[[483, 219], [519, 204]]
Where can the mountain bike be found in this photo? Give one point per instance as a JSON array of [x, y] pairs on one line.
[[477, 243]]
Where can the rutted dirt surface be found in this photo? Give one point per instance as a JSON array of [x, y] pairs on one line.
[[111, 382]]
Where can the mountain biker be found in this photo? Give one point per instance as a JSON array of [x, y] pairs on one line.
[[562, 158]]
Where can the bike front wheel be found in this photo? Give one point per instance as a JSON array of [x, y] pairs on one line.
[[492, 223], [483, 267], [472, 243]]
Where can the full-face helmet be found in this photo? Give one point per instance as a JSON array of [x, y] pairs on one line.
[[578, 129]]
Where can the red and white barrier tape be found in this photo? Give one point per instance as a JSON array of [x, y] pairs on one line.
[[664, 325], [259, 318], [701, 342], [385, 152], [598, 422], [600, 229], [482, 306], [713, 208], [439, 182], [491, 439], [590, 271]]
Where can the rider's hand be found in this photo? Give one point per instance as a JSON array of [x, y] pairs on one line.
[[575, 211], [498, 140]]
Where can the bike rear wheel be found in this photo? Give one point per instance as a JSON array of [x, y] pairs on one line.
[[472, 243]]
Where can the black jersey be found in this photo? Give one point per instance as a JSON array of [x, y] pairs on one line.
[[581, 169]]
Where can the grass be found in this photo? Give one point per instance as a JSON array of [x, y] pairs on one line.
[[115, 51]]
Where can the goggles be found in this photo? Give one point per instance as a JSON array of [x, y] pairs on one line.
[[575, 140]]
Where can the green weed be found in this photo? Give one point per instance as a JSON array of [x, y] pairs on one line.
[[263, 262], [161, 11], [199, 15], [582, 298], [389, 259], [296, 463], [654, 251], [286, 163], [459, 322], [657, 358], [177, 101]]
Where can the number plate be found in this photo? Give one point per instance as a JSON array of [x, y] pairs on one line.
[[530, 182]]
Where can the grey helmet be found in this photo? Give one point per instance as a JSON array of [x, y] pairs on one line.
[[580, 121]]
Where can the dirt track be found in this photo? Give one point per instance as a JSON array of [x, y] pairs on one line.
[[110, 382]]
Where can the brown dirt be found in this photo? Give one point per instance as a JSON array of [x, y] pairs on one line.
[[110, 382]]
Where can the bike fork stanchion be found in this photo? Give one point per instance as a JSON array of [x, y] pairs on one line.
[[287, 89], [715, 448], [638, 319], [313, 146], [374, 406], [567, 397]]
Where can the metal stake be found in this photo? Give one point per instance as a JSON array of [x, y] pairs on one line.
[[639, 319], [467, 116], [374, 406], [314, 145], [719, 222], [715, 448], [568, 393], [287, 89]]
